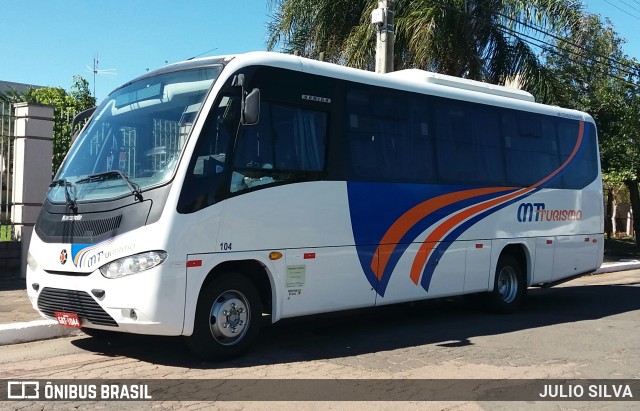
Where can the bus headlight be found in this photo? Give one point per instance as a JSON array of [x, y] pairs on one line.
[[133, 264], [31, 262]]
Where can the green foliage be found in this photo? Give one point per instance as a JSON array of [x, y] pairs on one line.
[[66, 105], [471, 39], [6, 232], [591, 73]]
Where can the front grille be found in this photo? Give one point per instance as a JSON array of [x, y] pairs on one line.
[[51, 300], [84, 228]]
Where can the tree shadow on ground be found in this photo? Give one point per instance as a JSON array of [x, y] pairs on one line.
[[444, 322]]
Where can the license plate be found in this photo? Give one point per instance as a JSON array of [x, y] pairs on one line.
[[68, 319]]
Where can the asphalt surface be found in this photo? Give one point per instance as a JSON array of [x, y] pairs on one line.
[[19, 322], [579, 332]]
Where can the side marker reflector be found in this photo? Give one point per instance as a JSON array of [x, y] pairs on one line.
[[194, 263]]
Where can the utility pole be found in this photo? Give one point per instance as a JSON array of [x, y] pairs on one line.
[[383, 19]]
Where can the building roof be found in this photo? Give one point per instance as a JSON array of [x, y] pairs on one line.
[[19, 87]]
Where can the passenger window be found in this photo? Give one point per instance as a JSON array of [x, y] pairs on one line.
[[468, 144], [378, 133], [531, 148]]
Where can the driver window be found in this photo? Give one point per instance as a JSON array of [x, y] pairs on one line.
[[288, 144]]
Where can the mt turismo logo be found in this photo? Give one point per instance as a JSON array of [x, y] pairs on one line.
[[537, 212]]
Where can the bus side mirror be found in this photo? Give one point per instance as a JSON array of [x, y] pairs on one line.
[[251, 108]]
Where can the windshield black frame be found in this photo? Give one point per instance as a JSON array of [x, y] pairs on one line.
[[140, 131]]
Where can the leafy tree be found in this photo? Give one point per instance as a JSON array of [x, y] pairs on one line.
[[66, 105], [593, 74], [465, 38]]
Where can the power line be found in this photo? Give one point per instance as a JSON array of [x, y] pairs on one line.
[[202, 54], [564, 40], [550, 46], [622, 10], [629, 5]]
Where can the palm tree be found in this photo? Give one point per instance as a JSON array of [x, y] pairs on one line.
[[488, 40]]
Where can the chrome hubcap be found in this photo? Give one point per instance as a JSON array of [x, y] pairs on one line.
[[507, 284], [229, 319]]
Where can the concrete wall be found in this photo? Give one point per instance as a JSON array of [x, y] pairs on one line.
[[33, 151]]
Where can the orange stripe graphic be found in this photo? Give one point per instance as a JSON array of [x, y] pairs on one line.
[[406, 221], [436, 235]]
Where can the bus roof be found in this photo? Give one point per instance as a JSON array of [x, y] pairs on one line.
[[408, 80]]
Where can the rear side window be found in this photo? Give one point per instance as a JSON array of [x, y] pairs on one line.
[[404, 137]]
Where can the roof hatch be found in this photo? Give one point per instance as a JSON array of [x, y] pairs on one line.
[[417, 75]]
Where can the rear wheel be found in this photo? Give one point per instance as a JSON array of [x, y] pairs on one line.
[[509, 288], [227, 318]]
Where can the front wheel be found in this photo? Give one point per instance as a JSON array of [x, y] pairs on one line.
[[227, 318], [509, 289]]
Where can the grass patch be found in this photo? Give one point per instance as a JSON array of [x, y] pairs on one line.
[[6, 232]]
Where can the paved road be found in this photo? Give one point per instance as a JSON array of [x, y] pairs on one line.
[[587, 328]]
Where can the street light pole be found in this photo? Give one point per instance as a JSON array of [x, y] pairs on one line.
[[383, 19]]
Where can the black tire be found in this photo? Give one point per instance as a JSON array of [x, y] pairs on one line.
[[227, 319], [509, 287]]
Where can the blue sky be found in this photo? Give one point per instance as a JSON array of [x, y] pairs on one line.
[[47, 42]]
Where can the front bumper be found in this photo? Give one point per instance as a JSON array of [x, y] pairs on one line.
[[150, 302]]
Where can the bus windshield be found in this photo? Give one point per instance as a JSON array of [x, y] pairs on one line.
[[136, 136]]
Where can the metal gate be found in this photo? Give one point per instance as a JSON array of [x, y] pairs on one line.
[[7, 138]]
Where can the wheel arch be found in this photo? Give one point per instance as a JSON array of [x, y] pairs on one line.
[[254, 271], [262, 276], [510, 278], [521, 252]]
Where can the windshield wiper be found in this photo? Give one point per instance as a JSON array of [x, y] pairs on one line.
[[71, 202], [105, 175]]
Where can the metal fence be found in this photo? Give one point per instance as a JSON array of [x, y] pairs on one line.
[[7, 139], [62, 132], [61, 142]]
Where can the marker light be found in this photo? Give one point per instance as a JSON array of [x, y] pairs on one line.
[[133, 264]]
